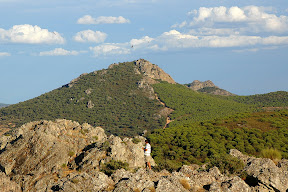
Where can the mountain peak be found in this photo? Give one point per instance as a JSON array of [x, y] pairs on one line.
[[208, 87], [196, 85], [152, 71]]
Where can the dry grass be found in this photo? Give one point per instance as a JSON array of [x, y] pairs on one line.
[[136, 190], [273, 154], [152, 189], [110, 187], [185, 184]]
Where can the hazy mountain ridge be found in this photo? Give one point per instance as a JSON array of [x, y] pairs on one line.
[[3, 105]]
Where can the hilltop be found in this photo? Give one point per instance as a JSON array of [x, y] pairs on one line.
[[120, 99], [208, 87]]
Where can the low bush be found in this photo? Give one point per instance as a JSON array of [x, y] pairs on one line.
[[226, 164], [110, 167], [271, 153]]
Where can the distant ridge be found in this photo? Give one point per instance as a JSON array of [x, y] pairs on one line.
[[208, 87], [3, 105]]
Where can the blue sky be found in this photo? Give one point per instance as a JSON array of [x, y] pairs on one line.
[[241, 46]]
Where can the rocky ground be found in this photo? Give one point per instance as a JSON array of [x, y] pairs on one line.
[[65, 156]]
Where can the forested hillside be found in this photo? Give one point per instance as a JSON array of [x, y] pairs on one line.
[[109, 98], [210, 141], [191, 106]]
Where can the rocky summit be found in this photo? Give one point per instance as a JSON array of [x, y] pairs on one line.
[[208, 87], [63, 155]]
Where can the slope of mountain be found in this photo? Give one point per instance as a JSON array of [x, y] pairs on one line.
[[208, 141], [208, 87], [120, 99], [192, 106]]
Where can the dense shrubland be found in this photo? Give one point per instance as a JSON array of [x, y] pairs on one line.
[[191, 106], [210, 141]]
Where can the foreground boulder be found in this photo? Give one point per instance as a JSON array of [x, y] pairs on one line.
[[264, 174], [42, 152]]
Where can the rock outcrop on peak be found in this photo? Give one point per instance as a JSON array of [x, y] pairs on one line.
[[152, 71], [196, 85], [208, 87]]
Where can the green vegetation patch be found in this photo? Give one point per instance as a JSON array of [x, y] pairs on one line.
[[209, 141], [191, 106], [110, 167]]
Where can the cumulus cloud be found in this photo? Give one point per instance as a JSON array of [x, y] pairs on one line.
[[87, 19], [110, 49], [4, 54], [90, 36], [58, 52], [30, 34], [174, 39], [252, 18], [140, 43]]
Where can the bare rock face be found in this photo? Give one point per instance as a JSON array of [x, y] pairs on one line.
[[40, 149], [208, 87], [45, 155], [90, 104], [263, 174], [152, 71], [7, 185], [196, 85]]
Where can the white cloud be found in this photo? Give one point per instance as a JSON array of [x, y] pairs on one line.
[[140, 43], [253, 19], [30, 34], [214, 31], [110, 49], [246, 50], [87, 19], [4, 54], [90, 36], [177, 40], [58, 52]]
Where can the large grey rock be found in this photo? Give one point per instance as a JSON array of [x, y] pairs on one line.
[[152, 71], [263, 171], [231, 184], [43, 148]]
